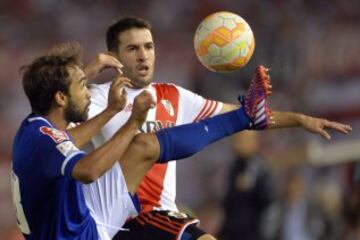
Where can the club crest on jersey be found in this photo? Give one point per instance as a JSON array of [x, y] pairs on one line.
[[168, 107], [56, 135]]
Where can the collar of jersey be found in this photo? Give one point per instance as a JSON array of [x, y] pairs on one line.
[[135, 90], [33, 117]]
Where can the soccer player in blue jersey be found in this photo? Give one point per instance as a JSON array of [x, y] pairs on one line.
[[47, 165]]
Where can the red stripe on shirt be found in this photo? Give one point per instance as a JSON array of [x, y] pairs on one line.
[[212, 111], [152, 185], [208, 110], [202, 110]]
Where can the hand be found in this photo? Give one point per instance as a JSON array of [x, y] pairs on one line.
[[142, 103], [117, 94], [319, 126], [101, 62]]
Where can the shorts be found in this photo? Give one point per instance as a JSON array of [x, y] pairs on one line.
[[160, 225], [109, 202]]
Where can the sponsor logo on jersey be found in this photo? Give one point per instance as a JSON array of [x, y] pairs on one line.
[[154, 126], [66, 148], [168, 107], [56, 135]]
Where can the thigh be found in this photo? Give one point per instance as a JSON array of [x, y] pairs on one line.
[[161, 225]]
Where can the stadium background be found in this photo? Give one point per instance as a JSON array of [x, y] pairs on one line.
[[312, 47]]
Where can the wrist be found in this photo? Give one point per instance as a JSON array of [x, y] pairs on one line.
[[91, 71], [109, 111], [137, 119], [299, 119]]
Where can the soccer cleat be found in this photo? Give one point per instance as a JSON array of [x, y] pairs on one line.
[[255, 101]]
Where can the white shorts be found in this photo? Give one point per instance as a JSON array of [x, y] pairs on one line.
[[109, 202]]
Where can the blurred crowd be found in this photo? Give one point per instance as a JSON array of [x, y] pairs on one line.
[[312, 48]]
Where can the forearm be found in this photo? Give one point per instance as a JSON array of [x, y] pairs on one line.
[[83, 133], [90, 72], [282, 119], [287, 119], [103, 158], [227, 107]]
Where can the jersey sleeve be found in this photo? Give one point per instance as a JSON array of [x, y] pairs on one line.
[[194, 107], [57, 156], [99, 98]]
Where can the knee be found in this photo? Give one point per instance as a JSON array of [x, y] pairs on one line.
[[147, 145]]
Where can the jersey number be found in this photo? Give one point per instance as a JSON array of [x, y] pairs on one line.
[[15, 188]]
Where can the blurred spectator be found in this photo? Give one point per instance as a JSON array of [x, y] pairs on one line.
[[294, 208], [250, 192], [324, 208], [351, 212]]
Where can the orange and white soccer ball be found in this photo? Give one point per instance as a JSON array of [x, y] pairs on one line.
[[224, 42]]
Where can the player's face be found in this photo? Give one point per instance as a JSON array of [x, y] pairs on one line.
[[79, 97], [136, 52]]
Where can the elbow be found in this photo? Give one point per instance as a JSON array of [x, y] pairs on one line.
[[85, 175], [87, 179]]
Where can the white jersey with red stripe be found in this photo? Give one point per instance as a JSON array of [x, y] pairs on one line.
[[174, 106]]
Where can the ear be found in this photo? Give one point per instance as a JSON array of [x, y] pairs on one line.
[[60, 98]]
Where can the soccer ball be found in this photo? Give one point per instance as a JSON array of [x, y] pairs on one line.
[[224, 42]]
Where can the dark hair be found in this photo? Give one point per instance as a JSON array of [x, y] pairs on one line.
[[122, 25], [49, 74]]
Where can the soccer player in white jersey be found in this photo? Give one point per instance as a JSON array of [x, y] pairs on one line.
[[130, 40]]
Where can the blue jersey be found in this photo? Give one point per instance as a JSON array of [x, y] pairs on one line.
[[49, 202]]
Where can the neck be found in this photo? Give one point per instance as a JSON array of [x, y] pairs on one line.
[[136, 87], [56, 118]]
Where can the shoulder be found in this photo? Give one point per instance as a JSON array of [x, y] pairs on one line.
[[38, 133], [52, 134], [38, 127], [163, 89]]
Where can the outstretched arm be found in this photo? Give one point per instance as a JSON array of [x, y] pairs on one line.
[[291, 119], [311, 124]]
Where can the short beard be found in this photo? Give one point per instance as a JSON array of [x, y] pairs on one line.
[[73, 114]]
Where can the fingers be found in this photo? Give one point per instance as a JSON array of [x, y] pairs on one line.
[[332, 125], [145, 99], [113, 62], [124, 93], [123, 81], [325, 134], [338, 127], [110, 61]]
